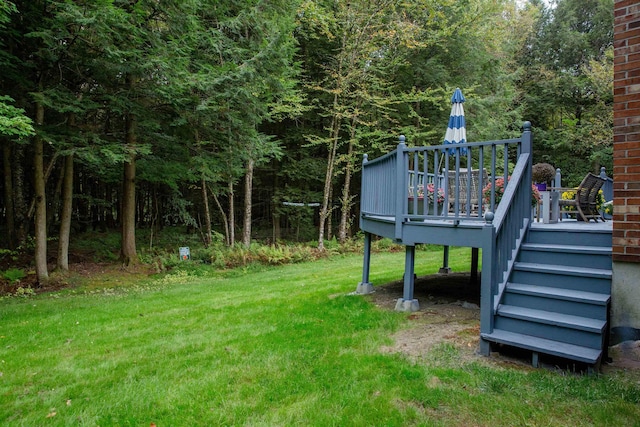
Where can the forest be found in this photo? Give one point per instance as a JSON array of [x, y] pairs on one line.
[[247, 120]]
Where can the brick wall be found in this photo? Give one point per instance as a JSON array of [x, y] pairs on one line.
[[626, 139]]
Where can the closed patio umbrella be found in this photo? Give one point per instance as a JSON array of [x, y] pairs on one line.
[[456, 131], [456, 134]]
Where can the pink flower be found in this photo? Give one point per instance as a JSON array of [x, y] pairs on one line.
[[499, 191]]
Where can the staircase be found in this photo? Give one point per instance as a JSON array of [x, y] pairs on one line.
[[556, 301]]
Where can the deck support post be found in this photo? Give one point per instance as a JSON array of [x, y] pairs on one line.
[[365, 287], [474, 265], [487, 282], [407, 302], [445, 269], [535, 360]]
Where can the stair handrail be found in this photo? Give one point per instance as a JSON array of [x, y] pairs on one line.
[[504, 232]]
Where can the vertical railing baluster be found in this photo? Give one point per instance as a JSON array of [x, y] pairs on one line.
[[425, 170], [493, 174]]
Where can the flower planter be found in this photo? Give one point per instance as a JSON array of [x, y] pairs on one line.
[[433, 209]]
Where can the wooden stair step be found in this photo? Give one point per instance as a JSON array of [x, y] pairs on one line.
[[563, 270], [552, 318], [587, 250], [559, 293], [542, 345]]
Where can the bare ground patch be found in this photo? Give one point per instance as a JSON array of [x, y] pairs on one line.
[[449, 313]]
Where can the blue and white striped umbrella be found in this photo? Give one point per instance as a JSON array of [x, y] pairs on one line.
[[456, 131]]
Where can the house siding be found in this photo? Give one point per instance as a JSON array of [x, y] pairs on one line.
[[625, 305]]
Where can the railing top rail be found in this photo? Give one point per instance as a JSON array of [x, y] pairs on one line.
[[443, 147], [382, 158], [509, 192]]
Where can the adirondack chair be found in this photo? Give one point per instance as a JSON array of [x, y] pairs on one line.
[[466, 192], [585, 203]]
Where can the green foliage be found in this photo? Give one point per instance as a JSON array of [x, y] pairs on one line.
[[8, 253], [23, 292], [14, 274], [299, 90], [13, 121], [568, 86]]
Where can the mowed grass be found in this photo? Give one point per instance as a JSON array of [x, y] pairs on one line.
[[268, 346]]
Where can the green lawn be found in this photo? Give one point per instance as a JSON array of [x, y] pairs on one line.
[[267, 346]]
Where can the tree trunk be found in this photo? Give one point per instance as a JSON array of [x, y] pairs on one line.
[[128, 253], [346, 194], [232, 216], [248, 190], [54, 202], [207, 213], [325, 210], [329, 223], [65, 216], [19, 204], [224, 218], [8, 195], [40, 203]]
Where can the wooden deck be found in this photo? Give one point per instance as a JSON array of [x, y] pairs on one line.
[[530, 265]]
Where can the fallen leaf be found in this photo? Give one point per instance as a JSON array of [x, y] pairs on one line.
[[51, 414], [68, 402]]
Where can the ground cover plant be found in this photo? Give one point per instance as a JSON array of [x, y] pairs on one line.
[[267, 345]]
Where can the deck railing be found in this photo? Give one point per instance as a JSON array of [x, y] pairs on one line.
[[390, 187], [396, 184]]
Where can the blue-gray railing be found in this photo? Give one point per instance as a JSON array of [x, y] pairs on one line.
[[390, 182], [607, 187]]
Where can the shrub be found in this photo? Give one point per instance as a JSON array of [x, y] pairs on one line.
[[14, 274], [542, 173]]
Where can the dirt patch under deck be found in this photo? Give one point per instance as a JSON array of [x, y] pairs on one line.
[[449, 313]]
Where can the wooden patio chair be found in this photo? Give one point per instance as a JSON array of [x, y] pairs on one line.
[[476, 187], [584, 205]]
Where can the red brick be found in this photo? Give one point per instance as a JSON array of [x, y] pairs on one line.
[[619, 112], [619, 78], [626, 161], [633, 234], [629, 226], [628, 33], [627, 66], [629, 97], [630, 250], [618, 241], [619, 4], [626, 258], [629, 145], [634, 169]]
